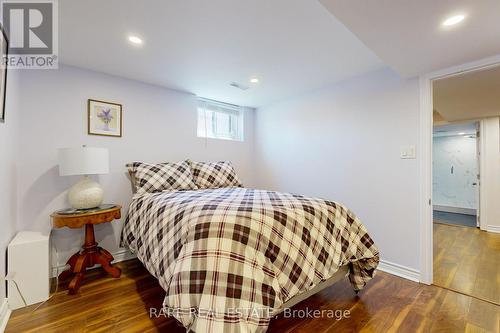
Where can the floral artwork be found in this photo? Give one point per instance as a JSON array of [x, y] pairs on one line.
[[105, 118]]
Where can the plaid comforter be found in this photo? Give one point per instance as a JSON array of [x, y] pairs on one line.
[[229, 258]]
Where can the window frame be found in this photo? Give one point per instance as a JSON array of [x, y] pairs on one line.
[[235, 115]]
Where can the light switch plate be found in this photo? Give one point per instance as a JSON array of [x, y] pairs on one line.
[[408, 152]]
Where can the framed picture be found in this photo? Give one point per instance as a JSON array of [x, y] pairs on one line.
[[105, 118], [4, 49]]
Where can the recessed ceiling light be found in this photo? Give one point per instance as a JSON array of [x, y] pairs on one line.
[[452, 20], [254, 80], [135, 40], [461, 133]]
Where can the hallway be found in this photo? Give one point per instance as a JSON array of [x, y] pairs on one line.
[[455, 219], [467, 260]]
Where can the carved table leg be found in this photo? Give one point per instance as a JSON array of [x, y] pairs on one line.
[[104, 258], [105, 253], [79, 271], [69, 272], [88, 257]]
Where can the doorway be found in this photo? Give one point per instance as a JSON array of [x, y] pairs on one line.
[[455, 172], [466, 249]]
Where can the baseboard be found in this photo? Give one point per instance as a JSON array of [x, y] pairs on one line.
[[458, 210], [4, 314], [385, 266], [399, 270], [120, 255], [123, 255], [493, 228]]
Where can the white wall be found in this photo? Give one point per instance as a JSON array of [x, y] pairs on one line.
[[454, 189], [9, 134], [343, 143], [158, 125], [490, 174]]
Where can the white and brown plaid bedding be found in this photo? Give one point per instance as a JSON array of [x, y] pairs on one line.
[[214, 174], [229, 258], [150, 178]]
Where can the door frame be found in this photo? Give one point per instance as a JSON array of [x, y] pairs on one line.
[[479, 163], [425, 165]]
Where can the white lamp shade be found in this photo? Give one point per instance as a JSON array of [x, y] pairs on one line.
[[83, 161]]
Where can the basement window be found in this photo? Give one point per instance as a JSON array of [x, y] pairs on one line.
[[217, 120]]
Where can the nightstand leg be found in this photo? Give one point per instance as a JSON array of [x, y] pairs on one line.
[[88, 257], [90, 245], [105, 253], [104, 258], [79, 270], [69, 272], [74, 285]]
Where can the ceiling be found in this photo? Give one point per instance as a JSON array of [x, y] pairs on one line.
[[471, 95], [200, 47], [408, 36]]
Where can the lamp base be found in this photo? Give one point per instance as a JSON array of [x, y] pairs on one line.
[[85, 194]]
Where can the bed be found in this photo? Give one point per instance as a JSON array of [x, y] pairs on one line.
[[230, 259]]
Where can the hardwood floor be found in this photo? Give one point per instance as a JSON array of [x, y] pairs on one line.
[[467, 260], [387, 304]]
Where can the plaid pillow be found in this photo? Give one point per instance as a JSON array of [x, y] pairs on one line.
[[150, 178], [214, 174]]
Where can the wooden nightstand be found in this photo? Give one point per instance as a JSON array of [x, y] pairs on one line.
[[91, 254]]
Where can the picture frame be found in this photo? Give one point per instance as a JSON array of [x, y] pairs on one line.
[[104, 118], [4, 52]]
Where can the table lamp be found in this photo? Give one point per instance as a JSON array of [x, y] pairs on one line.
[[84, 161]]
